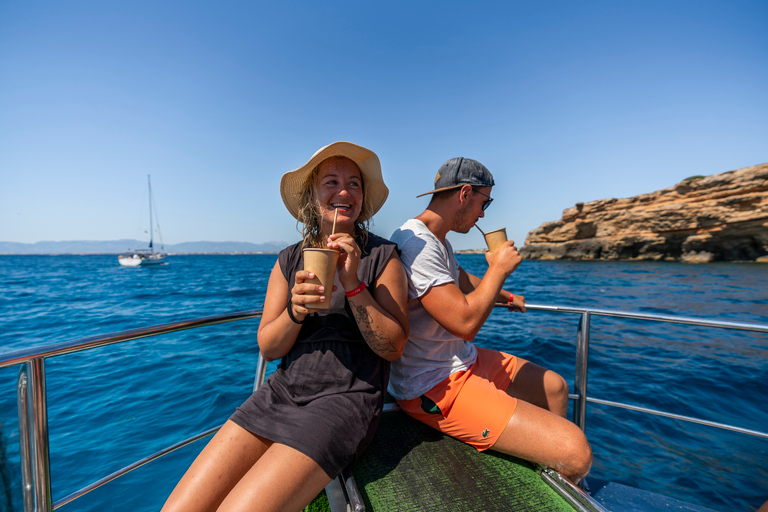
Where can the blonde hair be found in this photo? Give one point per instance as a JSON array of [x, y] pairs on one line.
[[308, 215]]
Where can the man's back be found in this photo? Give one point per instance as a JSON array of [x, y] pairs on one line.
[[431, 353]]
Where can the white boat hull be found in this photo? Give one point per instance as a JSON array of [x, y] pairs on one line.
[[141, 260]]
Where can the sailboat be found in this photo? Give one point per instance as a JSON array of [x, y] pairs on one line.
[[145, 257]]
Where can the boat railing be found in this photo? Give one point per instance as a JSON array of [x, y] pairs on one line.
[[33, 408], [580, 395]]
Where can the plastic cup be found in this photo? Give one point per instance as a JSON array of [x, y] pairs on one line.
[[495, 239], [323, 263]]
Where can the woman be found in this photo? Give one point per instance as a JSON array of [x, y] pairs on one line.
[[319, 410]]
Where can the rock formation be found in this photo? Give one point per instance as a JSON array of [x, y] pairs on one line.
[[723, 217]]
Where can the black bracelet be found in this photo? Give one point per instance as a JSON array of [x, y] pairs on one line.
[[290, 314]]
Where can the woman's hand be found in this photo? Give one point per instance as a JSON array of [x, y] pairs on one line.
[[349, 259], [304, 293]]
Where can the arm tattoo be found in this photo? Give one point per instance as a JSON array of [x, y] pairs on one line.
[[378, 343]]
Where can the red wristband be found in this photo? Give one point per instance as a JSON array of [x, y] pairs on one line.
[[511, 298], [357, 290]]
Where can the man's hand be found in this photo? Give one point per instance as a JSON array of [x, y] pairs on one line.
[[517, 303], [506, 258]]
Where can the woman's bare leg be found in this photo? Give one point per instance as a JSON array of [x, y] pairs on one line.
[[229, 455], [238, 470], [283, 479]]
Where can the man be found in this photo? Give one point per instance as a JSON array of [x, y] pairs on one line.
[[483, 397]]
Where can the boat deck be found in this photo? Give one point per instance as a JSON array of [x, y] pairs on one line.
[[411, 467]]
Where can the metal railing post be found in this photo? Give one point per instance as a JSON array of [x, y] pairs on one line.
[[261, 372], [582, 365], [24, 448], [41, 470]]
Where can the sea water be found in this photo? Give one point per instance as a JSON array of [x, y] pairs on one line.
[[109, 407]]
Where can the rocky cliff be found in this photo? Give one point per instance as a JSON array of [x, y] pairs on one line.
[[723, 217]]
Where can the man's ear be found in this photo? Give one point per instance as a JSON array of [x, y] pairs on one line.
[[464, 193]]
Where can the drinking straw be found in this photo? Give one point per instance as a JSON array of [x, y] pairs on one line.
[[335, 215], [478, 227]]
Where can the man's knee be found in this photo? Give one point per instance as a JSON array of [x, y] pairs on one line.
[[556, 389], [556, 384], [578, 460]]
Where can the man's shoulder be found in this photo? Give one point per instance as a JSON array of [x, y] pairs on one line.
[[411, 229], [413, 244], [423, 251]]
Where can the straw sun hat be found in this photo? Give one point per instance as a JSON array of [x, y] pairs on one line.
[[374, 189]]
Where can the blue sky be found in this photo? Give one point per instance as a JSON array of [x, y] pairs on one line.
[[563, 101]]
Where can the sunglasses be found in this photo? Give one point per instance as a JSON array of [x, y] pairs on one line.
[[487, 203]]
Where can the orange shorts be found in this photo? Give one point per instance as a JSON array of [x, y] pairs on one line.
[[473, 405]]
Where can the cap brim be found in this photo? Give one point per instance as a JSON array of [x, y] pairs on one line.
[[442, 189]]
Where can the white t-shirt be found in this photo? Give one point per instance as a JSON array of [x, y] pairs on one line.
[[431, 354]]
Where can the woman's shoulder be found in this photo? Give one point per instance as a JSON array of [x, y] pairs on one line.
[[378, 252], [289, 258], [289, 252], [379, 244], [377, 240], [291, 248]]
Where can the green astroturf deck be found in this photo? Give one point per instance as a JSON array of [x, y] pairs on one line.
[[411, 467], [319, 504]]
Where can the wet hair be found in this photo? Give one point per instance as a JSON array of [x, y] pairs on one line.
[[308, 215]]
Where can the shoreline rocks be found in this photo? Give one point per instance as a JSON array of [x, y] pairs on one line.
[[723, 217]]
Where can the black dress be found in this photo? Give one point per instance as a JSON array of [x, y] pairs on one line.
[[326, 396]]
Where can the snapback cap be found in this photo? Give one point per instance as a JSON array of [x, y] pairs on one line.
[[458, 172]]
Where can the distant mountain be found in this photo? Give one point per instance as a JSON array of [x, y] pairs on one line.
[[226, 247], [120, 246]]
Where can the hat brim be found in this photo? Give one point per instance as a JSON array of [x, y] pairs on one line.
[[374, 189]]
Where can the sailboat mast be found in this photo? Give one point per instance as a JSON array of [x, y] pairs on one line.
[[149, 186]]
